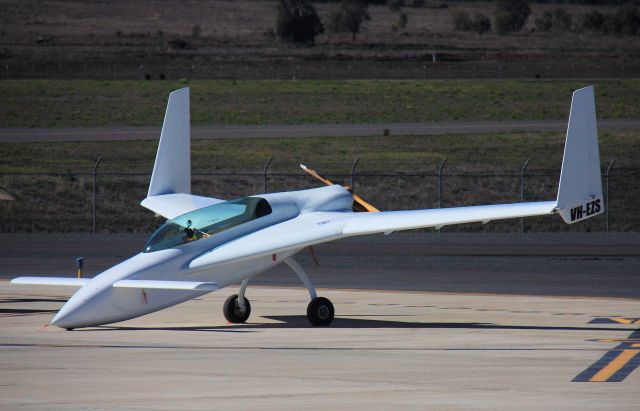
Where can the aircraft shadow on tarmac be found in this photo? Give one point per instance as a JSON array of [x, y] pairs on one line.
[[33, 300], [27, 311], [300, 321], [10, 312]]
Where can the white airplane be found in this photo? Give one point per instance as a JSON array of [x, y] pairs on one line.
[[207, 243]]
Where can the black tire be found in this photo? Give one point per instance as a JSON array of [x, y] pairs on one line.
[[320, 312], [233, 313]]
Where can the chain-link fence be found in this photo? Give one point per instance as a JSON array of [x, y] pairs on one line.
[[109, 202]]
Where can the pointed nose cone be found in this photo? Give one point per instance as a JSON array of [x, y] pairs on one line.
[[65, 317], [97, 303], [87, 307], [60, 321]]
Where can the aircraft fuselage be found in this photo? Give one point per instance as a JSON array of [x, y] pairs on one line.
[[98, 302]]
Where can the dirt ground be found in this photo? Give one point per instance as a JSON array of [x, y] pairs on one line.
[[155, 39]]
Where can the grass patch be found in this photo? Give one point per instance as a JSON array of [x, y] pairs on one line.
[[378, 154], [62, 202], [85, 103]]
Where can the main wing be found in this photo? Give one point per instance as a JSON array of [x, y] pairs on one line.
[[579, 197], [321, 227], [387, 222]]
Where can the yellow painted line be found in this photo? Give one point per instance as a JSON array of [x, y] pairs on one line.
[[614, 366], [620, 320]]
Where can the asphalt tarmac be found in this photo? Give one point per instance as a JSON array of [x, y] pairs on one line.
[[423, 321], [386, 350], [13, 135]]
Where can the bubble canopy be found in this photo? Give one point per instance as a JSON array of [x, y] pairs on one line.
[[207, 221]]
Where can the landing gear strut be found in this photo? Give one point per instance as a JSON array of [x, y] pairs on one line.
[[320, 310]]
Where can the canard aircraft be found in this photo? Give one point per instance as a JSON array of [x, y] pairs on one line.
[[207, 244]]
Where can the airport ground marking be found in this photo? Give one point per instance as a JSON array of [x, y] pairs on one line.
[[616, 364], [615, 320]]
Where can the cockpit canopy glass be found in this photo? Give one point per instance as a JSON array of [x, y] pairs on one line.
[[207, 221]]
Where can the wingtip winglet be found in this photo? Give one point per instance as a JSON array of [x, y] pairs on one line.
[[580, 188], [172, 167]]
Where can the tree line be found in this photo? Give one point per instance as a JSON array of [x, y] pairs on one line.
[[298, 21], [511, 16]]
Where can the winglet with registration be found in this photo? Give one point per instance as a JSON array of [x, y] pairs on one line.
[[580, 188]]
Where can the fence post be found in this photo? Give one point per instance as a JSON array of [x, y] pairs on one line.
[[95, 181], [440, 167], [606, 185], [524, 167], [353, 173], [264, 173]]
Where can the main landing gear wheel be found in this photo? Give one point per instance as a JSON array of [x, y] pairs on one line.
[[320, 311], [232, 311]]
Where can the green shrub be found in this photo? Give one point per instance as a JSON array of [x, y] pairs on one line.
[[481, 23], [298, 22], [348, 18], [624, 22], [403, 20], [196, 31], [593, 20], [544, 22], [627, 20], [561, 19], [511, 15], [395, 5], [462, 21]]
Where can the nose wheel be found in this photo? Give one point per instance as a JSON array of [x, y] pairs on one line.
[[233, 312]]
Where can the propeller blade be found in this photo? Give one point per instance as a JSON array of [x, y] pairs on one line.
[[366, 206], [358, 203], [315, 175]]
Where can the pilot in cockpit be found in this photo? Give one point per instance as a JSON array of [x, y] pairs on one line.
[[190, 233]]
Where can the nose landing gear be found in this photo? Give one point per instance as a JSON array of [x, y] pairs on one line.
[[233, 312], [237, 308]]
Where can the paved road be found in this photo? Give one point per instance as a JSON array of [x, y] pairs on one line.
[[10, 135], [572, 264]]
